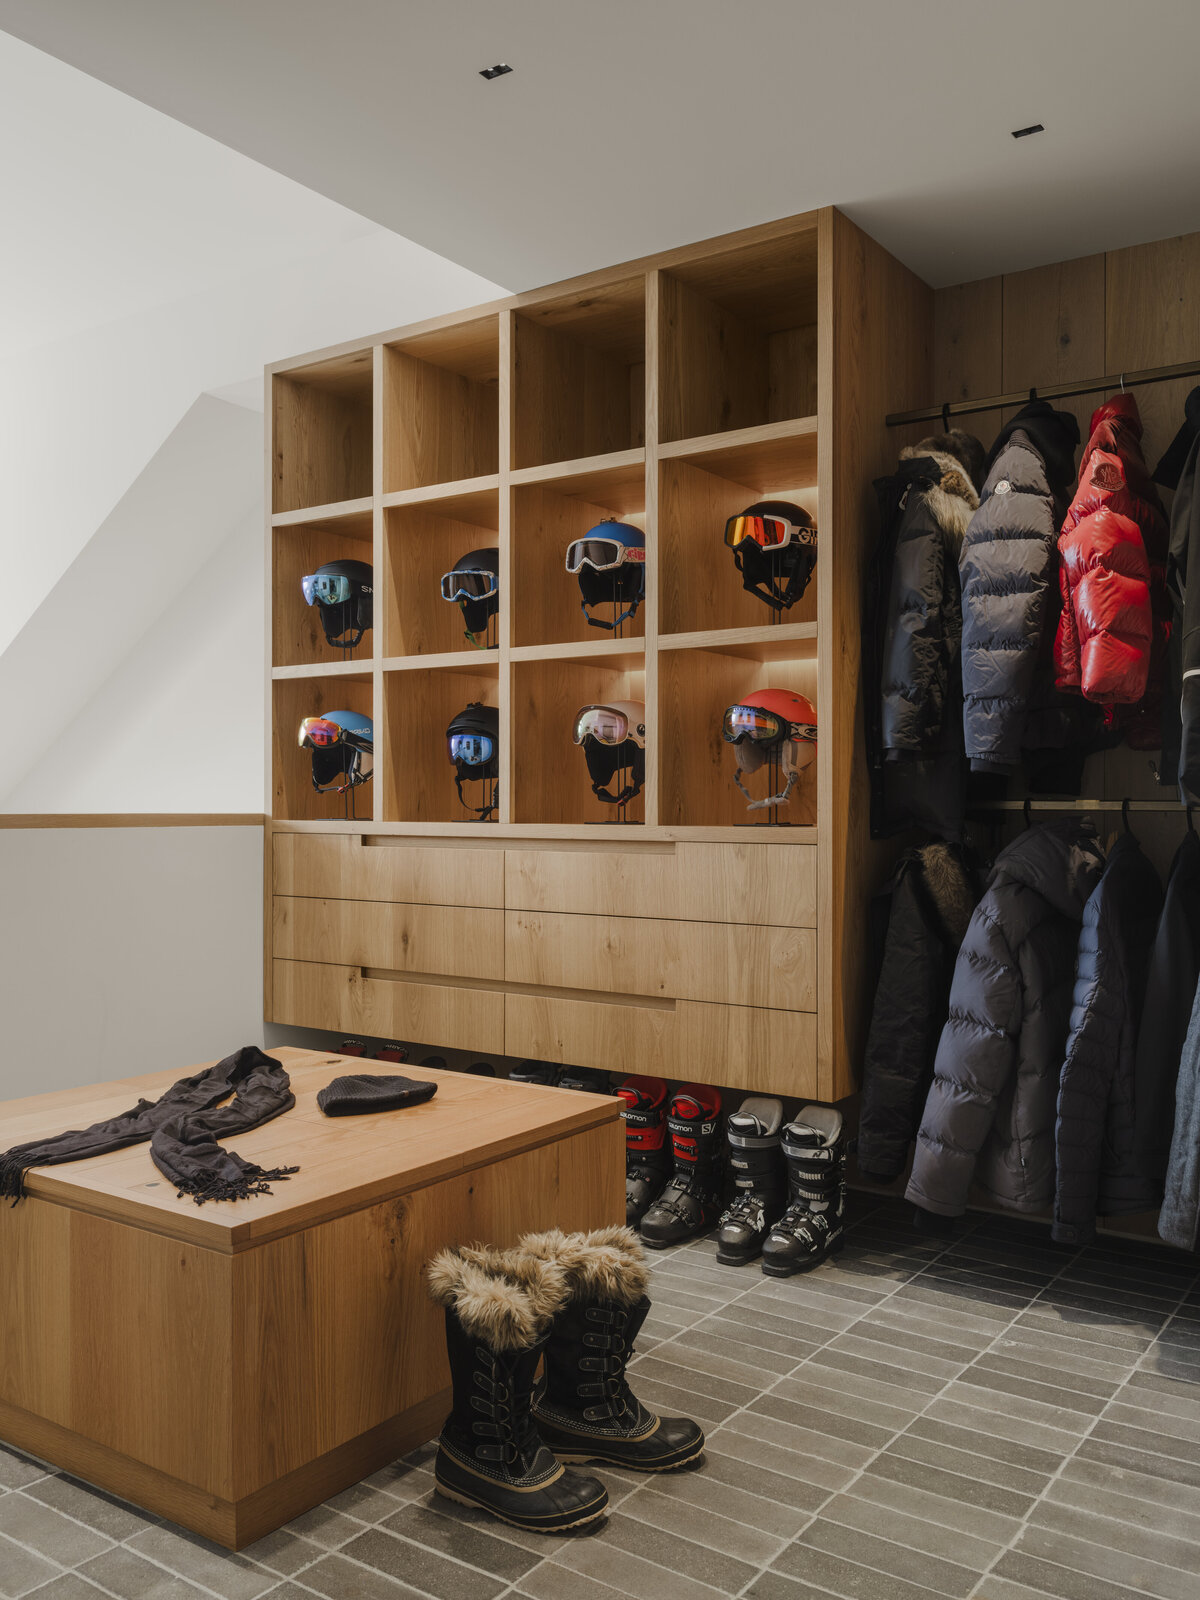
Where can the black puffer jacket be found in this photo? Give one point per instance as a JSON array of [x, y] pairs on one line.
[[932, 894], [989, 1117], [1094, 1135], [912, 637], [1179, 470], [1170, 990], [1011, 599]]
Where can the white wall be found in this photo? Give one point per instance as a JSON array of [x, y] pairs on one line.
[[126, 950]]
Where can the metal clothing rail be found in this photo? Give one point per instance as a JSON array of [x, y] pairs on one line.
[[1052, 391], [985, 806]]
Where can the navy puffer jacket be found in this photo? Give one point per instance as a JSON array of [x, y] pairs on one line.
[[989, 1115], [1098, 1173]]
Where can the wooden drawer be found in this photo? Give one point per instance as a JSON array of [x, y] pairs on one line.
[[309, 994], [771, 884], [731, 963], [443, 941], [343, 866], [743, 1047]]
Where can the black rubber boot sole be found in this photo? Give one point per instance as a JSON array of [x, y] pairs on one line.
[[615, 1459], [790, 1269], [740, 1258]]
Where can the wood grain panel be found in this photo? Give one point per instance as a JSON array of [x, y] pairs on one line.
[[438, 425], [570, 399], [355, 866], [321, 433], [733, 964], [335, 1329], [544, 522], [292, 700], [449, 941], [296, 632], [1054, 330], [700, 882], [968, 354], [713, 368], [1153, 319], [35, 1371], [317, 995], [743, 1047], [421, 544]]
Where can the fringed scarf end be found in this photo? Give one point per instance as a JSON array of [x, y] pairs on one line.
[[12, 1177], [255, 1180]]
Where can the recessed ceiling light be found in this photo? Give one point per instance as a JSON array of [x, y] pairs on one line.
[[497, 71], [1017, 133]]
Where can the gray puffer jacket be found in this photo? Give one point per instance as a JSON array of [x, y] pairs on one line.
[[989, 1116]]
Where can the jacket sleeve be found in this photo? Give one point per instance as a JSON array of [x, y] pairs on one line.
[[1066, 642], [976, 1057], [902, 1037], [1085, 1083], [1180, 1213], [915, 665]]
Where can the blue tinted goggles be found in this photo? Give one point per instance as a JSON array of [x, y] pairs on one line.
[[472, 749]]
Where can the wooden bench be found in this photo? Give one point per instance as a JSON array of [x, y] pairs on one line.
[[229, 1366]]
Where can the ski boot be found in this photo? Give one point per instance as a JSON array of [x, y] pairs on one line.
[[590, 1079], [534, 1072], [490, 1453], [392, 1052], [811, 1229], [585, 1409], [647, 1157], [759, 1180], [352, 1047], [692, 1197]]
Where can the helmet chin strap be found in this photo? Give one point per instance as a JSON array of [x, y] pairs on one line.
[[771, 800], [626, 794], [595, 622], [482, 812]]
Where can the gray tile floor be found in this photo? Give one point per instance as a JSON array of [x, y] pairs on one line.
[[988, 1417]]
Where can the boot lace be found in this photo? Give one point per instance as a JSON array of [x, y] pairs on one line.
[[616, 1401], [500, 1427]]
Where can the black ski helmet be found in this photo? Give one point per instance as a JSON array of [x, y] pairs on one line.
[[613, 737], [610, 564], [778, 576], [474, 581], [342, 591], [473, 745]]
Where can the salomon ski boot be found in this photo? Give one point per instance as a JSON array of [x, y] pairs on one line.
[[392, 1052], [814, 1146], [490, 1453], [590, 1079], [692, 1198], [647, 1155], [534, 1072], [586, 1411], [759, 1180]]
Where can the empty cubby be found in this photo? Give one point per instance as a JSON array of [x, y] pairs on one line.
[[322, 431], [579, 373], [422, 542], [696, 765], [550, 781], [546, 517], [418, 705], [299, 548], [441, 406], [699, 585], [293, 699], [738, 338]]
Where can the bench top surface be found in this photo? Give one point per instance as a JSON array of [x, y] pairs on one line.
[[344, 1162]]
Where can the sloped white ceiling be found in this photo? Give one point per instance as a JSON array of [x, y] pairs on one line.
[[631, 125]]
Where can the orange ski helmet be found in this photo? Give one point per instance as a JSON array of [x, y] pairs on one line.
[[767, 723]]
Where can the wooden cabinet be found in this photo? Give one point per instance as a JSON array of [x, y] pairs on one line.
[[692, 937]]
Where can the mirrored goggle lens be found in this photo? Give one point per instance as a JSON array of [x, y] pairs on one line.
[[608, 727], [319, 732], [320, 589], [473, 749], [470, 584], [770, 533], [751, 722]]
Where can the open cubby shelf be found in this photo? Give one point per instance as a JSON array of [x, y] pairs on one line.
[[551, 783], [322, 430], [298, 548], [314, 695], [414, 764], [421, 542], [441, 405]]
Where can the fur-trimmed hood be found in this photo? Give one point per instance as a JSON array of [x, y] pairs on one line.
[[950, 888], [952, 498], [505, 1298], [607, 1264]]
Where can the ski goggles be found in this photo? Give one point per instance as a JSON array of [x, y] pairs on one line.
[[323, 589], [762, 727], [768, 533], [602, 554], [472, 749], [320, 734], [469, 583], [603, 724]]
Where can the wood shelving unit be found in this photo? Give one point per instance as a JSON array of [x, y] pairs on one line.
[[669, 393]]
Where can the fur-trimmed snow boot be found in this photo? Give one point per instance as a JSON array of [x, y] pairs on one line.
[[586, 1411], [814, 1146], [647, 1154], [490, 1454], [759, 1179], [691, 1200]]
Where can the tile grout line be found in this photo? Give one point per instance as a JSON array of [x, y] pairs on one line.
[[1081, 1441]]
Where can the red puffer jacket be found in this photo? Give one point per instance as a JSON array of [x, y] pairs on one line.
[[1112, 634]]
